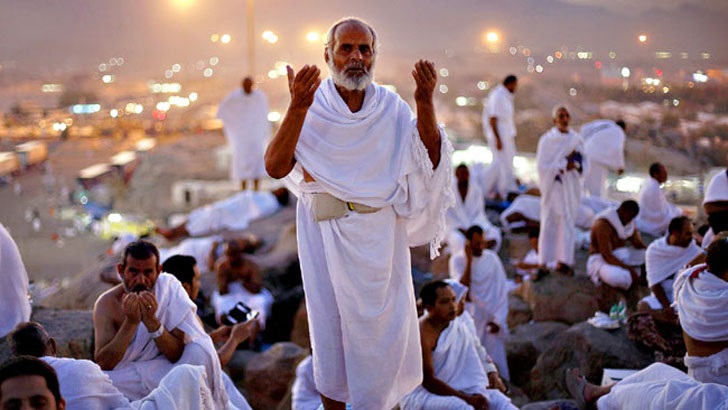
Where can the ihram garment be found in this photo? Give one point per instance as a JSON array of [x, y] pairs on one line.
[[702, 305], [663, 262], [246, 126], [14, 305], [488, 302], [234, 213], [604, 147], [655, 212], [356, 269], [560, 195], [616, 276], [467, 213], [500, 105]]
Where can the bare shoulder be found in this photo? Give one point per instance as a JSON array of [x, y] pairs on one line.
[[109, 301], [428, 334]]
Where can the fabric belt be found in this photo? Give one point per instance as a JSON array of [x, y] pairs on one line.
[[326, 207]]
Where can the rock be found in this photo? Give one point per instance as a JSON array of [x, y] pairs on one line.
[[525, 345], [587, 348], [518, 311], [299, 333], [73, 331], [85, 288], [269, 376], [551, 405], [561, 298]]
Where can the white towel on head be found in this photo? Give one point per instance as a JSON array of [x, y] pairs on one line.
[[717, 188], [702, 304]]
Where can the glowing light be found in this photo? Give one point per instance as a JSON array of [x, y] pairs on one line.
[[699, 77], [629, 184], [179, 101], [51, 88], [313, 36], [598, 65], [176, 68], [59, 126], [705, 56], [482, 85], [443, 89], [530, 69], [572, 92], [642, 38], [665, 90], [558, 54], [215, 38], [461, 101], [138, 109], [168, 73], [102, 67], [444, 72], [163, 106], [675, 102], [625, 72], [270, 37], [274, 116], [114, 217], [281, 69], [612, 55], [214, 60], [226, 38], [272, 74], [539, 68], [193, 96], [549, 59], [491, 37], [114, 113], [207, 73], [85, 108], [108, 78], [513, 50]]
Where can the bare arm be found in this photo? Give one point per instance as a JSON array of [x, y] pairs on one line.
[[493, 122], [279, 156], [636, 240], [111, 343], [467, 271], [426, 78], [604, 244], [239, 333]]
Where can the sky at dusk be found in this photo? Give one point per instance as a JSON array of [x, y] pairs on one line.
[[59, 37]]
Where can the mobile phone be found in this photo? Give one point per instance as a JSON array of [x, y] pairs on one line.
[[238, 314]]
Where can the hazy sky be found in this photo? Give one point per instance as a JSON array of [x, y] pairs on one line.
[[62, 36]]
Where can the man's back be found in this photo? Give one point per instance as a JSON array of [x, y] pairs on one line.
[[603, 236], [84, 386]]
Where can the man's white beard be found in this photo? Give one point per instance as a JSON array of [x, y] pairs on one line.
[[351, 83]]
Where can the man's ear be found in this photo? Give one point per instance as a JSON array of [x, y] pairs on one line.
[[120, 269], [326, 55], [187, 287], [54, 349]]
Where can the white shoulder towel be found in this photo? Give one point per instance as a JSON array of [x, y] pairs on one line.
[[604, 143], [623, 231], [398, 173], [664, 260], [702, 304], [15, 305]]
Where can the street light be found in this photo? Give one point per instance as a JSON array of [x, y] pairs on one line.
[[642, 38]]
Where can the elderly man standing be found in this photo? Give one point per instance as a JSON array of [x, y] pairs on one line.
[[371, 181], [560, 162], [244, 113], [610, 261], [604, 147], [500, 131], [146, 325], [656, 211]]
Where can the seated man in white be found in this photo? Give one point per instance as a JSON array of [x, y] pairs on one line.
[[701, 295], [610, 260], [657, 387], [481, 270], [527, 268], [469, 210], [666, 256], [655, 211], [525, 212], [15, 307], [604, 148], [147, 325], [85, 387], [239, 280], [454, 377], [234, 213]]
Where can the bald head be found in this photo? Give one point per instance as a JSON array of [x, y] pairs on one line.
[[247, 84]]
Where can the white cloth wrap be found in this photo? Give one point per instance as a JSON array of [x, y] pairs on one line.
[[623, 231], [304, 395], [247, 129], [234, 213], [467, 213], [527, 205], [709, 369], [664, 260], [489, 301], [84, 386], [198, 248], [560, 198], [500, 105], [456, 361], [356, 269], [604, 143], [662, 387], [262, 301], [717, 189], [15, 305], [702, 304], [143, 365], [655, 212]]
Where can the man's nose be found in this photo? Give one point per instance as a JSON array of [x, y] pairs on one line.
[[356, 55]]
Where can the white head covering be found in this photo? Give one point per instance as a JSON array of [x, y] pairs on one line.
[[459, 288]]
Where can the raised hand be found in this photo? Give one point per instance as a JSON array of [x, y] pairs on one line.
[[303, 86], [148, 308], [425, 80], [131, 307]]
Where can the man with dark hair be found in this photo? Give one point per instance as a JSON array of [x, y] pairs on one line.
[[604, 147], [481, 270], [655, 211], [27, 382], [370, 180], [147, 324], [610, 260], [184, 268], [454, 376], [500, 130]]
